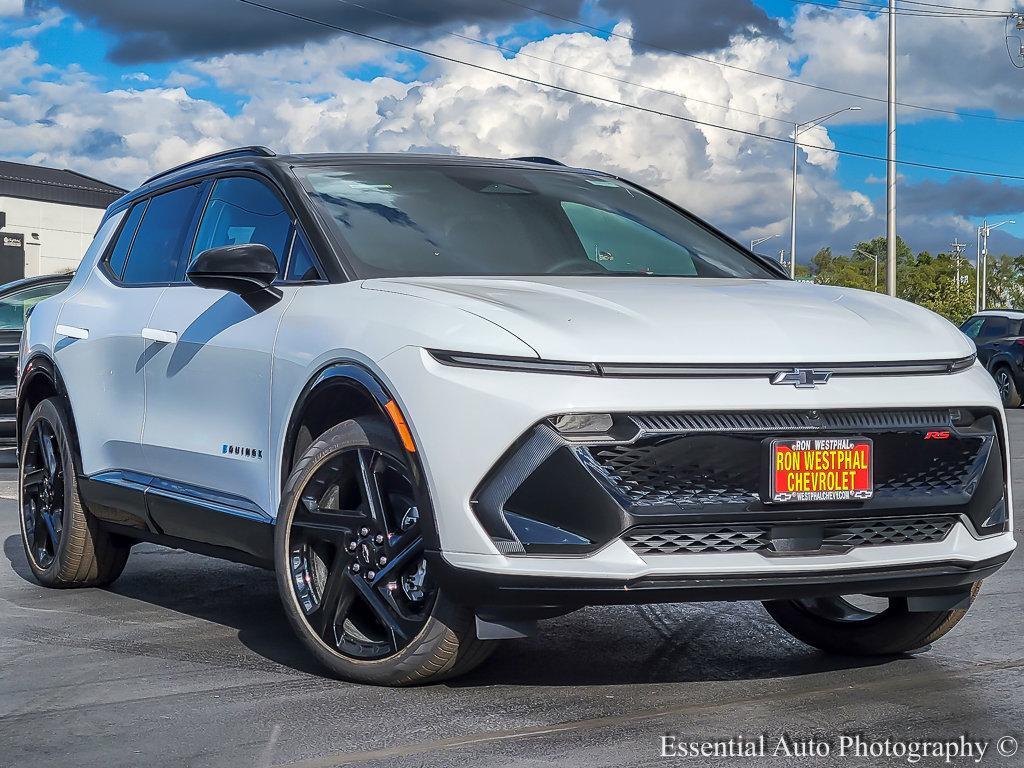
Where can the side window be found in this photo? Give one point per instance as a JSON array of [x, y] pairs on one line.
[[14, 308], [244, 210], [119, 253], [972, 327], [301, 266], [154, 254], [995, 328], [620, 244]]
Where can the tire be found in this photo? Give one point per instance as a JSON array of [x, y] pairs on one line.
[[64, 544], [892, 631], [331, 532], [1008, 391]]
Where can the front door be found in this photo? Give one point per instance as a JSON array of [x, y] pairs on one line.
[[208, 380]]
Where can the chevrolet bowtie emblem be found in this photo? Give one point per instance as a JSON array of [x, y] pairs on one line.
[[802, 378]]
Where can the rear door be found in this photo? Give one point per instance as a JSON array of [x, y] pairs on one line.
[[993, 330], [208, 382], [98, 343]]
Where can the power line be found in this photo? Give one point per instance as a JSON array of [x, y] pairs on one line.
[[942, 5], [625, 81], [519, 52], [616, 102], [861, 6], [791, 80]]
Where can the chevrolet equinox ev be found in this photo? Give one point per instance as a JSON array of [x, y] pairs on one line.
[[444, 398]]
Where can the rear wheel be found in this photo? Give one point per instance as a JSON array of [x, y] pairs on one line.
[[1007, 387], [64, 544], [351, 565], [863, 625]]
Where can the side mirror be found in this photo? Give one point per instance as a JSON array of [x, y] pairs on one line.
[[247, 269]]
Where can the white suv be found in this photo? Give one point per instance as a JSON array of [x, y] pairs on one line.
[[446, 397]]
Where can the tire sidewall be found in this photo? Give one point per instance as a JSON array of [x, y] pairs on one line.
[[357, 433], [50, 411]]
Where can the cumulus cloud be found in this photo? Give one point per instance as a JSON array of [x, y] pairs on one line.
[[314, 95]]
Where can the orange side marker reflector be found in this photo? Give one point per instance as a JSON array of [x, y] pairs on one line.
[[399, 421]]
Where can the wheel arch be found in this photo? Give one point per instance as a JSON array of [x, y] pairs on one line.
[[319, 407], [41, 379]]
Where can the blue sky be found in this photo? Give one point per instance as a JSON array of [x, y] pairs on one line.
[[332, 92]]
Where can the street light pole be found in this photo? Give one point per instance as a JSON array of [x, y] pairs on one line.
[[758, 240], [983, 232], [890, 171], [977, 276], [799, 128]]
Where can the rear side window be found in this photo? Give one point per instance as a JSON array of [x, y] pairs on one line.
[[154, 253], [244, 210], [119, 253], [995, 328]]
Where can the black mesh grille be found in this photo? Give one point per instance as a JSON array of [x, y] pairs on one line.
[[757, 537], [720, 468]]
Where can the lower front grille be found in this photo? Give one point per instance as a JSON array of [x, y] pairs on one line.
[[765, 537], [693, 470]]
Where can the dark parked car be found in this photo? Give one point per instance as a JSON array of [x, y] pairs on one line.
[[999, 336], [16, 300]]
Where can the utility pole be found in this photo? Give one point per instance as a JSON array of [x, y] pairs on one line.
[[958, 249], [983, 232], [890, 171]]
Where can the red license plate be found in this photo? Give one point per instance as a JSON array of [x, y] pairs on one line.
[[821, 469]]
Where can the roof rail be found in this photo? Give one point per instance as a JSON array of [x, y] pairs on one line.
[[227, 153], [539, 159]]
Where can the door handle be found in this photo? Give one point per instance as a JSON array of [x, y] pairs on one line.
[[72, 332], [155, 334]]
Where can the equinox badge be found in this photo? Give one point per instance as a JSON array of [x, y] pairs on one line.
[[802, 378]]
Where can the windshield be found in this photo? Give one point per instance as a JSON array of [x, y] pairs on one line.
[[403, 221]]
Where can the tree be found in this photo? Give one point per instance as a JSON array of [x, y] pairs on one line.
[[924, 279]]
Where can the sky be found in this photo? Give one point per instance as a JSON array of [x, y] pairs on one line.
[[120, 89]]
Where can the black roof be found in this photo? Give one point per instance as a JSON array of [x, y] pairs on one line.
[[51, 185]]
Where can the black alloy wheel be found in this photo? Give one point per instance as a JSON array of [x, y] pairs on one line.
[[356, 555], [65, 545], [352, 566], [42, 494]]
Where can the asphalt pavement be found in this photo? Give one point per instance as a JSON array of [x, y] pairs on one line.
[[189, 661]]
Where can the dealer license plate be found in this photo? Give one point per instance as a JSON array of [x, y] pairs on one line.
[[821, 469]]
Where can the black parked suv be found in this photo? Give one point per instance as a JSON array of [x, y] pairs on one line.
[[999, 336]]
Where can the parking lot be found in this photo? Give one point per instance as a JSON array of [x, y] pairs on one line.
[[189, 661]]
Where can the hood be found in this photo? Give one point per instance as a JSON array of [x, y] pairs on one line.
[[695, 320]]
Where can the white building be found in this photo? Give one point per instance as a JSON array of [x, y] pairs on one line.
[[47, 217]]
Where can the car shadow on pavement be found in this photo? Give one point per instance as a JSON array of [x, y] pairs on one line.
[[671, 643], [614, 645], [159, 580]]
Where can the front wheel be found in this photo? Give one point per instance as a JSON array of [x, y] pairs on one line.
[[351, 565], [863, 625]]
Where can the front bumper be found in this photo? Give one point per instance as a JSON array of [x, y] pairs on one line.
[[504, 592], [466, 420]]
